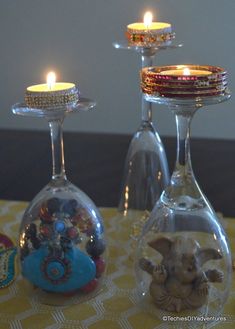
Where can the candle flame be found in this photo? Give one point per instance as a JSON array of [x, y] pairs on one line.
[[186, 71], [148, 19], [51, 79]]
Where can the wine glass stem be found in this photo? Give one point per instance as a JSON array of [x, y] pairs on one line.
[[183, 160], [146, 110], [183, 181], [146, 60], [57, 147]]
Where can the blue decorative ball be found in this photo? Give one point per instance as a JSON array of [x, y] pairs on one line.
[[60, 226]]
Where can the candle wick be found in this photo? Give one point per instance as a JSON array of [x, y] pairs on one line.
[[148, 18], [51, 78]]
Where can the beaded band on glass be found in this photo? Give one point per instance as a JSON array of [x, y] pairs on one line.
[[150, 37], [53, 99]]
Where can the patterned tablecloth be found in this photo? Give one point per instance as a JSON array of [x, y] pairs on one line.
[[114, 308]]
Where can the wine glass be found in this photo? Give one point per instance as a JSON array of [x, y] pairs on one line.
[[61, 244], [146, 171], [183, 258]]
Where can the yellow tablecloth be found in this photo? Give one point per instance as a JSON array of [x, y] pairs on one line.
[[114, 308]]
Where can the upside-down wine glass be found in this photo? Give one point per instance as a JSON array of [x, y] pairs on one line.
[[146, 171], [183, 258], [61, 243]]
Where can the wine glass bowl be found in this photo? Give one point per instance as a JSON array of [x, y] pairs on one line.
[[62, 240]]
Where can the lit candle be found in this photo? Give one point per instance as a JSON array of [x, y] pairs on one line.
[[51, 80], [51, 94], [185, 71], [148, 25], [148, 20], [149, 32]]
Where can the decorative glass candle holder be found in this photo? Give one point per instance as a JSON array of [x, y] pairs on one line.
[[183, 260], [61, 244], [146, 171]]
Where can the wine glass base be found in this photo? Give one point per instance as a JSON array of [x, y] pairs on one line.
[[147, 50], [83, 104], [197, 101]]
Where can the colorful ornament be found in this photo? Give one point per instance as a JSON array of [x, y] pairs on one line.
[[100, 266], [95, 247], [64, 273], [46, 231], [7, 260], [54, 205], [72, 232], [70, 207], [60, 226], [91, 286]]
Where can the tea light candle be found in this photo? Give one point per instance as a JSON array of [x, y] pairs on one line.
[[186, 72], [148, 25], [149, 31], [51, 94]]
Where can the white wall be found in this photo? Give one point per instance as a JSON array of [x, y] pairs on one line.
[[74, 37]]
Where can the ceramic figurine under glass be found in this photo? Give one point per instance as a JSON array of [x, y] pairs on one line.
[[61, 244], [183, 258], [146, 171]]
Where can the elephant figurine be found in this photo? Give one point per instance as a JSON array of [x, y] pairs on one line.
[[179, 281]]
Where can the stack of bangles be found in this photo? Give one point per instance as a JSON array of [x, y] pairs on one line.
[[175, 82]]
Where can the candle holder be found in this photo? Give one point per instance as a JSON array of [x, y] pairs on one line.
[[183, 260], [61, 243], [146, 171]]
